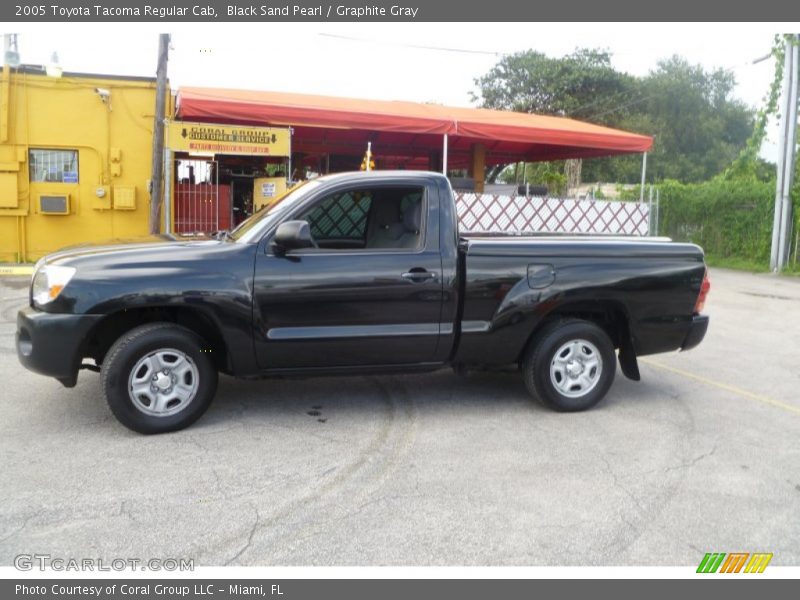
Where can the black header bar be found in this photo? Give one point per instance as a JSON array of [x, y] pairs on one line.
[[177, 11]]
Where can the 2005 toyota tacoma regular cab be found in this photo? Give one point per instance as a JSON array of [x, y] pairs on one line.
[[356, 273]]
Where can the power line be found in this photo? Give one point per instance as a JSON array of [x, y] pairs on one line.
[[418, 46], [621, 106]]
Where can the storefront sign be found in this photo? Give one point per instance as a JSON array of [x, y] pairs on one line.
[[213, 138], [268, 189]]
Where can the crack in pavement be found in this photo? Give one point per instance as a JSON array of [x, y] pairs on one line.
[[692, 462], [249, 539]]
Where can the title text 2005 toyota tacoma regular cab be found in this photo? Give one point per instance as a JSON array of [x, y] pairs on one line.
[[356, 273]]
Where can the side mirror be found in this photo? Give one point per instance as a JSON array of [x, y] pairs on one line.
[[292, 235]]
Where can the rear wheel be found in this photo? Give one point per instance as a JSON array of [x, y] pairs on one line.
[[570, 365], [156, 378]]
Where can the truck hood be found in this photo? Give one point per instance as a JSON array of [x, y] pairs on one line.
[[119, 250], [149, 271]]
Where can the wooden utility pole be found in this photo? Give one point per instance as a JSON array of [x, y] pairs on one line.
[[156, 180]]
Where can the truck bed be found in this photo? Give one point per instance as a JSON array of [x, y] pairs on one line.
[[512, 283]]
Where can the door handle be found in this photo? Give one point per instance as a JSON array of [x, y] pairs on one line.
[[418, 275]]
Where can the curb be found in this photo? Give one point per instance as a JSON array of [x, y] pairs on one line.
[[10, 269]]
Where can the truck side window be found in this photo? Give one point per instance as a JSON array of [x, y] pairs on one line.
[[380, 218], [341, 216]]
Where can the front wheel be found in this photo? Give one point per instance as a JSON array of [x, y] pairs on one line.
[[570, 365], [156, 378]]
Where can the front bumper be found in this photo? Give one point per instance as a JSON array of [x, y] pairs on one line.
[[50, 343], [696, 333]]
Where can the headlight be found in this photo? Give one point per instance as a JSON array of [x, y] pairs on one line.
[[49, 281]]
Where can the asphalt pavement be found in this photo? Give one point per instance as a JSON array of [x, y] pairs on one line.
[[700, 456]]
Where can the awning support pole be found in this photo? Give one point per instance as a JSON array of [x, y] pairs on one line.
[[168, 167], [444, 155], [289, 160], [644, 172]]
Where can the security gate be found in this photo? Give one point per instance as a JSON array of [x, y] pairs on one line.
[[201, 204]]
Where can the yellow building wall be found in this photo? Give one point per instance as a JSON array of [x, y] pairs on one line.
[[113, 138]]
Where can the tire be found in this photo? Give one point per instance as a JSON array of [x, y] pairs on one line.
[[156, 378], [570, 365]]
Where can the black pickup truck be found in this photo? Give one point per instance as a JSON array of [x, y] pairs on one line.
[[356, 273]]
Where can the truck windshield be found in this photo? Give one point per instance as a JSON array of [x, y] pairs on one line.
[[251, 229]]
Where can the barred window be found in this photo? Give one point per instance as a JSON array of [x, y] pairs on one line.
[[55, 166]]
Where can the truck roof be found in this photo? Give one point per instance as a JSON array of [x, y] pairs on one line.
[[378, 175]]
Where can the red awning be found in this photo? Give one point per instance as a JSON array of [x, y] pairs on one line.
[[329, 125]]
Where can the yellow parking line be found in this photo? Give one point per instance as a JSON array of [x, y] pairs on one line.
[[16, 269], [724, 386]]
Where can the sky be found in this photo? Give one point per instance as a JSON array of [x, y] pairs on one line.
[[425, 62]]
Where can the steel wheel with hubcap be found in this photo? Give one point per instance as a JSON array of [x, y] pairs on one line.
[[576, 368], [569, 365], [163, 382], [157, 378]]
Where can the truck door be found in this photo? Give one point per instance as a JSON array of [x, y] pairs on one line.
[[369, 294]]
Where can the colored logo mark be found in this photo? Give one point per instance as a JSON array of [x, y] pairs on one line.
[[734, 562]]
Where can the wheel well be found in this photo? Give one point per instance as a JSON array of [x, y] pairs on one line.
[[609, 316], [109, 329]]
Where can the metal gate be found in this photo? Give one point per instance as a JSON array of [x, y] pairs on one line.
[[196, 196]]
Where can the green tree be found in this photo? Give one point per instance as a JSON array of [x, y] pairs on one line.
[[532, 82], [699, 128]]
